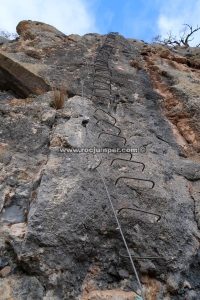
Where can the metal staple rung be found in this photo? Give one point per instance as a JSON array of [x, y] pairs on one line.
[[96, 80], [97, 86], [101, 96], [130, 161], [99, 72], [135, 178], [101, 64], [101, 61], [115, 121], [102, 69], [102, 77], [106, 133], [101, 120], [102, 56], [98, 95], [141, 257], [140, 210], [106, 50]]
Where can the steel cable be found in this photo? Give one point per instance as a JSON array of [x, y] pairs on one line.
[[121, 232]]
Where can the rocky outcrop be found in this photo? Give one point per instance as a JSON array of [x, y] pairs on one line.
[[21, 80], [59, 237], [31, 30]]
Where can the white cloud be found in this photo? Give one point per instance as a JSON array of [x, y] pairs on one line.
[[69, 16], [175, 13]]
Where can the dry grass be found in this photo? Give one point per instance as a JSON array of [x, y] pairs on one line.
[[58, 101]]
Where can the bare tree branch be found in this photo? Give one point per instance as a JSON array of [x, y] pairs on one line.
[[184, 39], [192, 31]]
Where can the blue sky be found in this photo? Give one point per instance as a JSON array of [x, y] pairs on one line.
[[141, 19], [131, 18]]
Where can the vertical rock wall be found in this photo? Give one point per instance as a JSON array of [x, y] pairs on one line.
[[59, 237]]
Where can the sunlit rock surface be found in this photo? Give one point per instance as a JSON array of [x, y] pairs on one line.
[[59, 239]]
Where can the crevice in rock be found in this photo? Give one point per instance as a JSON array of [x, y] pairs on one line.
[[175, 110], [37, 182], [195, 206]]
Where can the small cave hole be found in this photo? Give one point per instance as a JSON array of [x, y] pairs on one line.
[[85, 122]]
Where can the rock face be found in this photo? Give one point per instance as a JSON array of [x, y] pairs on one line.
[[3, 40], [59, 237]]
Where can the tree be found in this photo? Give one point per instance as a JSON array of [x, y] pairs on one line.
[[186, 36]]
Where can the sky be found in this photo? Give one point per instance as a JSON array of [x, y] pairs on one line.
[[139, 19]]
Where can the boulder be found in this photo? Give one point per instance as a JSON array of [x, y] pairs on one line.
[[34, 29]]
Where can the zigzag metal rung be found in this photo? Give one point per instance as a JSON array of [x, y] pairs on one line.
[[101, 64], [103, 51], [101, 88], [106, 133], [106, 48], [103, 55], [101, 61], [102, 82], [135, 178], [105, 112], [101, 97], [140, 257], [140, 210], [102, 76], [130, 161], [102, 71], [104, 97], [97, 84], [98, 94], [114, 126]]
